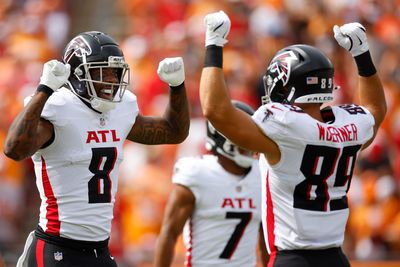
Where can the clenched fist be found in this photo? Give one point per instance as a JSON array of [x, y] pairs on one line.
[[55, 74], [217, 25], [352, 37], [172, 71]]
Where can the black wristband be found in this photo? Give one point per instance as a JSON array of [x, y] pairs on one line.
[[177, 88], [365, 65], [213, 57], [45, 89]]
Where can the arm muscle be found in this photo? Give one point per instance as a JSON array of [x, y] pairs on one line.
[[172, 128], [179, 208], [28, 132]]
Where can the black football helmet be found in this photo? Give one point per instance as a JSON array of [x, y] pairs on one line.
[[96, 50], [217, 143], [299, 74]]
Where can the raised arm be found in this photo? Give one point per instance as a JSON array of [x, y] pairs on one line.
[[173, 126], [352, 37], [214, 96], [29, 132], [179, 208]]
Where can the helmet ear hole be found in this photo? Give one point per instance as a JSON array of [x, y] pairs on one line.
[[78, 72], [228, 147]]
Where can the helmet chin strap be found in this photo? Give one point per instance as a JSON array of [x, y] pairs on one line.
[[101, 105], [243, 161], [291, 94], [240, 160]]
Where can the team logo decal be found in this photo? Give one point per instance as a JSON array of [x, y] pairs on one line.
[[280, 66], [268, 113], [102, 121], [78, 46], [58, 256]]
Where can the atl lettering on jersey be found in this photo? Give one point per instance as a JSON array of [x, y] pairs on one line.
[[102, 136], [345, 133], [238, 203]]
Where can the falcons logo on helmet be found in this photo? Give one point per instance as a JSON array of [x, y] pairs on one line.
[[77, 46], [280, 66]]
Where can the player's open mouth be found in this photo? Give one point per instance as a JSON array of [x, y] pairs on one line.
[[107, 93]]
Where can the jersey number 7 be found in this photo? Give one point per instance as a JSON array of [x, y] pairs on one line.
[[237, 234]]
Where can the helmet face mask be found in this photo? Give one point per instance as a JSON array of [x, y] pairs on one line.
[[298, 74], [274, 91], [116, 64], [218, 143], [92, 55]]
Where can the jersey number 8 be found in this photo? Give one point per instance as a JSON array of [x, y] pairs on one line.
[[102, 163]]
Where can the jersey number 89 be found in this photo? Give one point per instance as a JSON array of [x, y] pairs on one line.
[[320, 163]]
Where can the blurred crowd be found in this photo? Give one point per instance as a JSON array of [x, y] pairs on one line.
[[34, 31]]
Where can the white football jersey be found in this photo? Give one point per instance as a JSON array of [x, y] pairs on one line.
[[304, 195], [223, 229], [77, 174]]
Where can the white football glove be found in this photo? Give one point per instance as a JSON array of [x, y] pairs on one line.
[[353, 37], [55, 74], [172, 71], [217, 25]]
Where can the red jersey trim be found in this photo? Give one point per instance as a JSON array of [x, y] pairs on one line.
[[270, 218], [190, 248], [53, 222]]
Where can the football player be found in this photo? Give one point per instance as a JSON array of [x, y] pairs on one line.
[[307, 153], [74, 127], [216, 201]]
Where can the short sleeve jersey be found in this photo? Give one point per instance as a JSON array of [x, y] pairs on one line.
[[304, 194], [76, 175], [223, 229]]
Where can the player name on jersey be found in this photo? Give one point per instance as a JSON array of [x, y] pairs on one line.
[[238, 203], [345, 133], [102, 136]]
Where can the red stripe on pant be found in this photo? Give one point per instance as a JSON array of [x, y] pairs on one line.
[[39, 253], [272, 258]]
